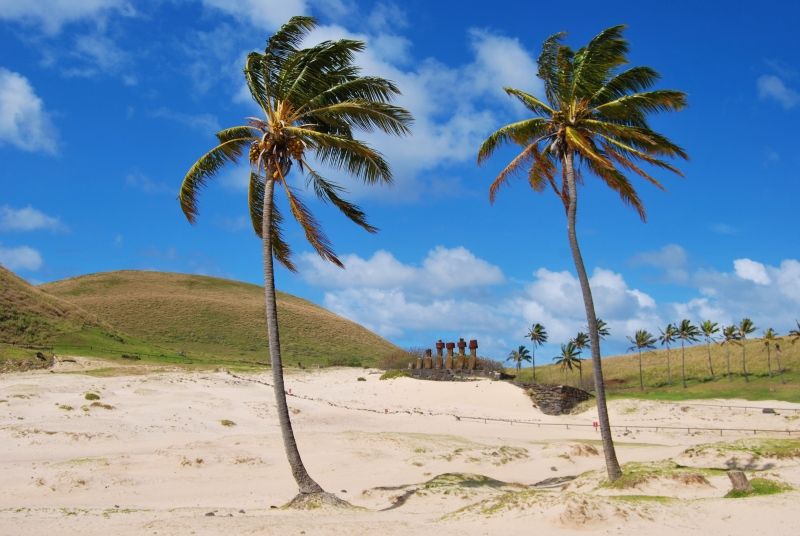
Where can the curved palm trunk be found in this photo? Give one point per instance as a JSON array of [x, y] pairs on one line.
[[683, 364], [744, 363], [641, 377], [612, 465], [304, 481], [710, 365], [533, 366], [580, 375]]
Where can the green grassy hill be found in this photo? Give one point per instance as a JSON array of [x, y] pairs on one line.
[[622, 373], [217, 320]]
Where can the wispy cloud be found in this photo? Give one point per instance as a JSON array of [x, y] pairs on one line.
[[774, 88], [27, 219], [144, 183], [206, 123], [20, 258], [51, 15]]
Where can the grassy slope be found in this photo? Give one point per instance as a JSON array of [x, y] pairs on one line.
[[217, 319], [622, 373]]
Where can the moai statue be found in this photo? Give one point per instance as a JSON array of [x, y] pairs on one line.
[[449, 362], [419, 363], [427, 361], [473, 353], [438, 361], [462, 345]]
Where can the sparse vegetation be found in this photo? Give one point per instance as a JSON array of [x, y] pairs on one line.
[[361, 379], [227, 422], [761, 486], [392, 374], [91, 396]]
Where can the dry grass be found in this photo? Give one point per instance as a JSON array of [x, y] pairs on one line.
[[215, 318]]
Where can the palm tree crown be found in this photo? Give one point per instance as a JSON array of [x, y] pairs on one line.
[[519, 356], [795, 333], [642, 340], [569, 358], [537, 334], [312, 100], [593, 111]]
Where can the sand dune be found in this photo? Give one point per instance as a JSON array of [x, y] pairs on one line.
[[152, 456]]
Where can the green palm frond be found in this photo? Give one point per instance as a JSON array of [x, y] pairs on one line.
[[339, 152], [329, 192], [314, 234], [255, 197]]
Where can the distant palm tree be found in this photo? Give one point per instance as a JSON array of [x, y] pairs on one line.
[[795, 333], [745, 328], [312, 100], [770, 338], [686, 332], [709, 329], [581, 341], [519, 356], [538, 336], [568, 359], [593, 117], [730, 336], [642, 340], [667, 337], [602, 329]]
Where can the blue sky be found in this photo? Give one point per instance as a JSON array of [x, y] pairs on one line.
[[104, 104]]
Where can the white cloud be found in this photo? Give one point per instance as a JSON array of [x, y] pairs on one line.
[[92, 55], [51, 15], [265, 14], [751, 271], [27, 219], [772, 87], [672, 259], [24, 123], [20, 258]]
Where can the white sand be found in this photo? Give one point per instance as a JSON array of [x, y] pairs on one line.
[[160, 460]]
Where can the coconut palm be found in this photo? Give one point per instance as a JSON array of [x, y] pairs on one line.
[[770, 338], [686, 332], [594, 119], [709, 330], [602, 329], [581, 341], [642, 340], [730, 336], [518, 356], [745, 328], [538, 336], [795, 333], [568, 359], [312, 99], [667, 337]]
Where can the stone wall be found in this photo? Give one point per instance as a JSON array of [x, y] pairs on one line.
[[449, 375], [555, 399]]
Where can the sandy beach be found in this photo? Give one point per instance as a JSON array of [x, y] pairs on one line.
[[174, 452]]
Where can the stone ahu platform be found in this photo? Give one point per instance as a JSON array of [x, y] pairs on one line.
[[555, 399]]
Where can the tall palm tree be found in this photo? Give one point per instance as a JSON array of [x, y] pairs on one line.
[[770, 338], [667, 337], [581, 341], [594, 118], [642, 340], [709, 329], [745, 328], [519, 356], [686, 332], [312, 100], [568, 359], [730, 336], [538, 336]]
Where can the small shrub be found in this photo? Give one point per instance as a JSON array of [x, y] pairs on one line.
[[399, 359], [101, 405], [362, 379], [66, 407], [489, 365], [227, 422], [91, 396], [344, 362], [391, 374], [761, 486]]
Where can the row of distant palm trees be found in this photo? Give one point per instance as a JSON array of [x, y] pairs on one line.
[[685, 331]]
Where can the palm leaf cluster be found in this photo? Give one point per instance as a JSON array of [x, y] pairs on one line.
[[595, 110], [312, 99]]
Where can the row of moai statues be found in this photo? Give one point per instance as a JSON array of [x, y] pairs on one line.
[[451, 362]]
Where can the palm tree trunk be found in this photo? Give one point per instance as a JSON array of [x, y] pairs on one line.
[[728, 359], [683, 364], [669, 368], [304, 481], [744, 363], [778, 359], [580, 374], [641, 377], [533, 367], [769, 362], [710, 365], [612, 465]]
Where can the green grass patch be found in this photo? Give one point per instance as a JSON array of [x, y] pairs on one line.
[[761, 448], [761, 486], [635, 474], [227, 422], [392, 374], [91, 396]]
